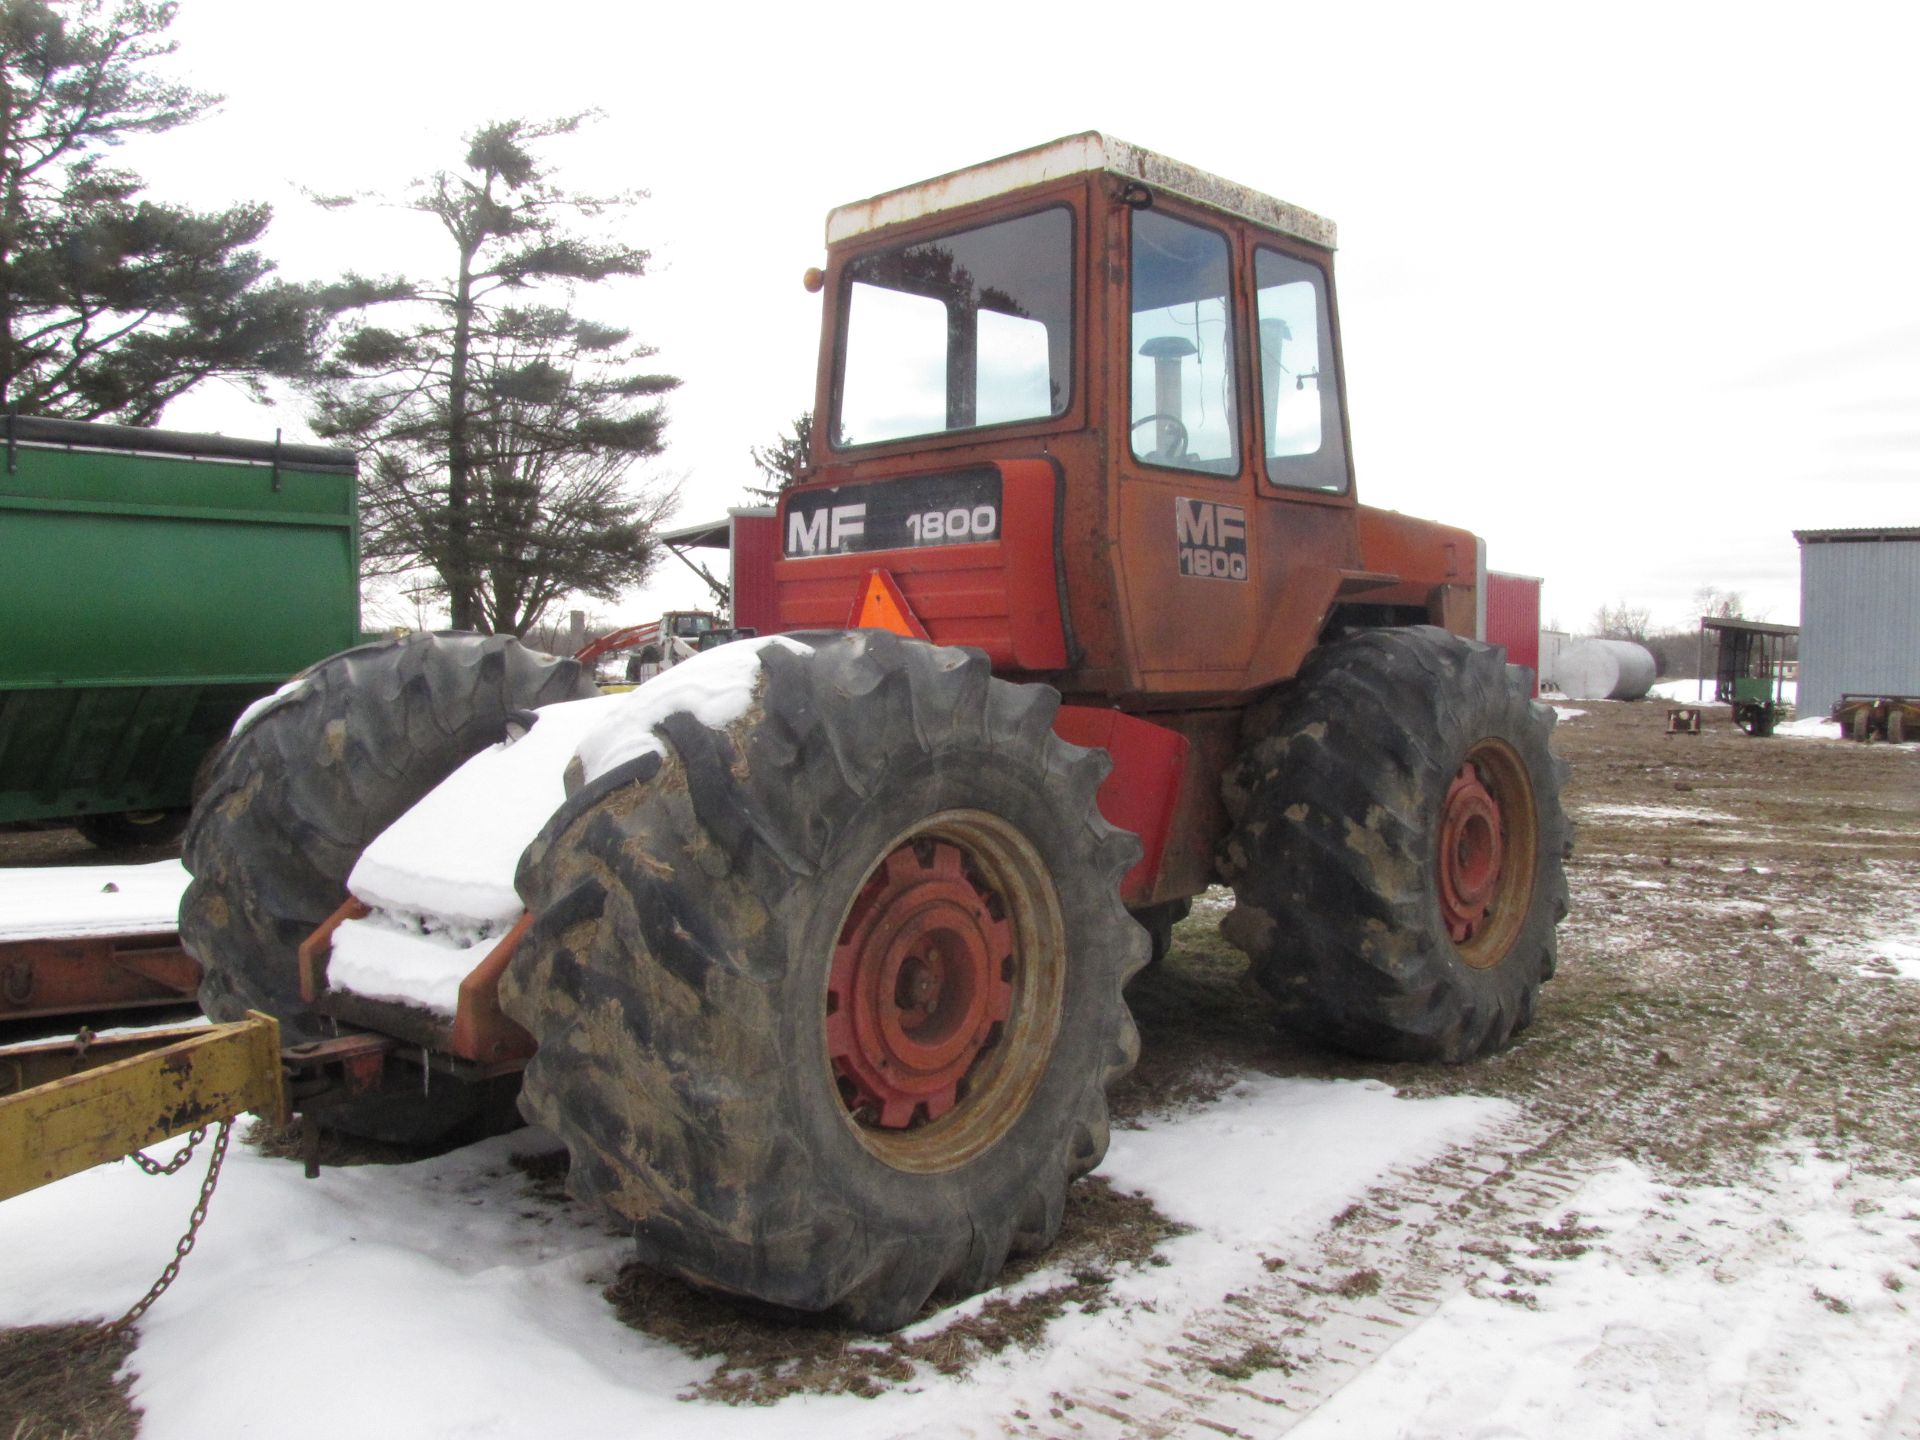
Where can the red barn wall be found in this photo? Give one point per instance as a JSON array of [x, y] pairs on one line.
[[756, 545], [1513, 619]]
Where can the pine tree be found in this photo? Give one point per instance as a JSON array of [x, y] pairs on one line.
[[112, 304], [786, 460], [500, 434]]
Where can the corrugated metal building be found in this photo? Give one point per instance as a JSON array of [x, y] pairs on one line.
[[1859, 615]]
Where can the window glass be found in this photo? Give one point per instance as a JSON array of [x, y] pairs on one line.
[[1182, 347], [1300, 411], [973, 328]]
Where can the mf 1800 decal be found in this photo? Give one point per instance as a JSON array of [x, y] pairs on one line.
[[1212, 539], [961, 507]]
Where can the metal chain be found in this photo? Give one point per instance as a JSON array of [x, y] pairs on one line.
[[185, 1245], [173, 1166]]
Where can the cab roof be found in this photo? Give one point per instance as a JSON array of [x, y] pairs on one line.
[[1073, 155]]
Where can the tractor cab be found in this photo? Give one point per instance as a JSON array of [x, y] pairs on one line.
[[1082, 409]]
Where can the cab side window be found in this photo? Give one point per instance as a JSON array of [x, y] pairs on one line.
[[1182, 344], [1300, 409]]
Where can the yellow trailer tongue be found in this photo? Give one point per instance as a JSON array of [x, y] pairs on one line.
[[68, 1105]]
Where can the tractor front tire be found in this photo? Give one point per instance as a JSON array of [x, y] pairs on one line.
[[828, 1001], [306, 785], [1397, 847]]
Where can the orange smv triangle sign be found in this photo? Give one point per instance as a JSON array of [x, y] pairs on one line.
[[881, 606]]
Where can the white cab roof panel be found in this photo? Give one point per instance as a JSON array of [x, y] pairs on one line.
[[1075, 155]]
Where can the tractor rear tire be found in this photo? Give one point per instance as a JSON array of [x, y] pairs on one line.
[[828, 1002], [293, 799], [1397, 847]]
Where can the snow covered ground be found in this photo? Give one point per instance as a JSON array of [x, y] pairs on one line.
[[90, 900], [437, 1299]]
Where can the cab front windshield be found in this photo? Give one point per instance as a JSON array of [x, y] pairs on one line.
[[969, 329]]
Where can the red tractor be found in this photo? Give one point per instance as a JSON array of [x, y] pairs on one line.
[[821, 980]]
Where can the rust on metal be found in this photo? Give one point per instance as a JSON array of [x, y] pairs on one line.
[[1471, 852], [318, 947], [920, 985], [1074, 155], [180, 1081], [481, 1030], [1486, 845], [67, 975], [957, 924], [357, 1059]]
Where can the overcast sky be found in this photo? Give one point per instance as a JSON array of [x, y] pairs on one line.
[[1632, 291]]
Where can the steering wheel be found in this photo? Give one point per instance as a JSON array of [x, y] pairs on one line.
[[1175, 435]]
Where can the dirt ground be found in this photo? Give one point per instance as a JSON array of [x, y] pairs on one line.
[[63, 846], [1719, 995]]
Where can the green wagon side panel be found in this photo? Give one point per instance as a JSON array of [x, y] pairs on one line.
[[147, 598]]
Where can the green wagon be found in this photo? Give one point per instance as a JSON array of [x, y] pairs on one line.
[[152, 585]]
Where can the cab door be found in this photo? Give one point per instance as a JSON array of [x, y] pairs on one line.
[[1304, 533], [1189, 570]]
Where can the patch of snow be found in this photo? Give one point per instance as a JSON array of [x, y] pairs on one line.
[[79, 900], [1567, 712], [1900, 954], [1195, 1166], [392, 957], [716, 686], [453, 855], [1660, 814], [1812, 728], [1778, 1307], [1682, 692], [1691, 691], [265, 703]]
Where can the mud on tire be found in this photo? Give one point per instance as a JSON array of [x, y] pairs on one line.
[[828, 1003], [292, 800], [1397, 847]]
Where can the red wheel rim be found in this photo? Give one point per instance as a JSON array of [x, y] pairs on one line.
[[920, 987], [1472, 848], [1484, 852]]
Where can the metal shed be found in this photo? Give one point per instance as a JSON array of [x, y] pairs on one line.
[[1859, 615]]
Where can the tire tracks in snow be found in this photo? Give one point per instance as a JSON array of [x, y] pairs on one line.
[[1273, 1353]]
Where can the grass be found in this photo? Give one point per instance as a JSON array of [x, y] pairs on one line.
[[62, 1382]]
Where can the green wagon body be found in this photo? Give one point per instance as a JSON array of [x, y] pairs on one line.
[[152, 585]]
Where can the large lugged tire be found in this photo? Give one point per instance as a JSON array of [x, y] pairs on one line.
[[828, 1003], [295, 797], [1397, 848]]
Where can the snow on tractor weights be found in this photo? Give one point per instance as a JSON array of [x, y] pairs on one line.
[[812, 949]]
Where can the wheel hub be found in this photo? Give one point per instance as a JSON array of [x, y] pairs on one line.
[[920, 987], [1472, 850]]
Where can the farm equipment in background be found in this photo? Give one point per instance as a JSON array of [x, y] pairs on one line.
[[1750, 670], [677, 635], [813, 950], [1893, 718], [155, 584], [746, 597]]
